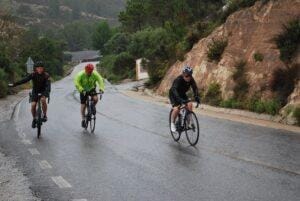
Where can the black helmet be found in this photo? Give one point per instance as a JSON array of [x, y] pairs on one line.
[[188, 70], [38, 64]]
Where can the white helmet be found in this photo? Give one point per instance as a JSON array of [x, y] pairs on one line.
[[188, 70]]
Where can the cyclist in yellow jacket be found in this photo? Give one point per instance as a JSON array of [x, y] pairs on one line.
[[86, 83]]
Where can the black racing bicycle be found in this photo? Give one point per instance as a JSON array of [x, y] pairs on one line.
[[90, 117], [187, 122], [39, 119]]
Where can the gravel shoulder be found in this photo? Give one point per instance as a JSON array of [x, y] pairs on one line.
[[14, 186]]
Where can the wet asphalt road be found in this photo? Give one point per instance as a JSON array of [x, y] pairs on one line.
[[132, 156]]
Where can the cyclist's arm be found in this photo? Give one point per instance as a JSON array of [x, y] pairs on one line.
[[48, 84], [26, 79], [77, 82], [100, 81], [195, 88]]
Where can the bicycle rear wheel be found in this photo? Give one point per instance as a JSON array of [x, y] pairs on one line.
[[192, 129], [176, 135]]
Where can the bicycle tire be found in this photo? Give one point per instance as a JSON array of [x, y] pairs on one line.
[[39, 120], [174, 136], [39, 128], [86, 122], [93, 123], [192, 141]]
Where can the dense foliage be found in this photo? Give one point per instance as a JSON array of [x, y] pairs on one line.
[[17, 44], [163, 31], [160, 31], [288, 41]]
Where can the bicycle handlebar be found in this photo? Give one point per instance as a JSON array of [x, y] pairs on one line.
[[97, 93], [185, 104]]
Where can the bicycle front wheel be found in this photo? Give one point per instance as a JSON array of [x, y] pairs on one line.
[[175, 135], [192, 129], [39, 120], [39, 128], [93, 123], [87, 120]]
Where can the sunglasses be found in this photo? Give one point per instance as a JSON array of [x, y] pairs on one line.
[[187, 76]]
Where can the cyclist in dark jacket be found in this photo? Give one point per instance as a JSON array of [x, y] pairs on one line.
[[40, 84], [177, 93]]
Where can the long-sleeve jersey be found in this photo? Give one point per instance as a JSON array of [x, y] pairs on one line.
[[84, 82], [40, 82], [180, 87]]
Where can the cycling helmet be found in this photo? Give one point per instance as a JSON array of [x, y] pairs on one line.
[[188, 70], [38, 64], [89, 68]]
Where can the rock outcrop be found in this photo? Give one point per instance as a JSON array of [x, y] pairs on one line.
[[248, 31]]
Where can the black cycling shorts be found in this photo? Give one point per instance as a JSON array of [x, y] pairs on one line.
[[34, 96], [83, 97], [175, 102]]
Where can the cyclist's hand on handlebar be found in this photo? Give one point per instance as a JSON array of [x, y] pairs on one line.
[[11, 85]]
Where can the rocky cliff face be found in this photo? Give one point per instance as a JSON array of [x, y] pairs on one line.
[[248, 31]]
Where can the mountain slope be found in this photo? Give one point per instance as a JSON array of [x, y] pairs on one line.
[[249, 32]]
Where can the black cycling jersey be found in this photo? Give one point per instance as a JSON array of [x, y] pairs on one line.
[[180, 87], [40, 82]]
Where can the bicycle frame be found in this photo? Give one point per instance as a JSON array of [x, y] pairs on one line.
[[90, 101], [90, 117], [39, 122], [183, 109]]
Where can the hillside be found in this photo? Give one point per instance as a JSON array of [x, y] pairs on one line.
[[56, 13], [250, 66]]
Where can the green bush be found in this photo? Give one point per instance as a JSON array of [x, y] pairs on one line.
[[197, 31], [105, 66], [288, 41], [124, 66], [117, 44], [3, 83], [213, 95], [271, 107], [258, 57], [216, 49], [157, 46], [283, 82], [240, 70], [296, 114], [231, 103], [242, 86], [117, 67], [255, 105], [236, 5]]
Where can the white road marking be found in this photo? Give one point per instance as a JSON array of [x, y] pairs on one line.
[[34, 151], [79, 200], [26, 142], [61, 182], [45, 165]]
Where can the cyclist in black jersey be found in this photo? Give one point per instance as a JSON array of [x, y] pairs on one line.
[[40, 84], [177, 93]]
